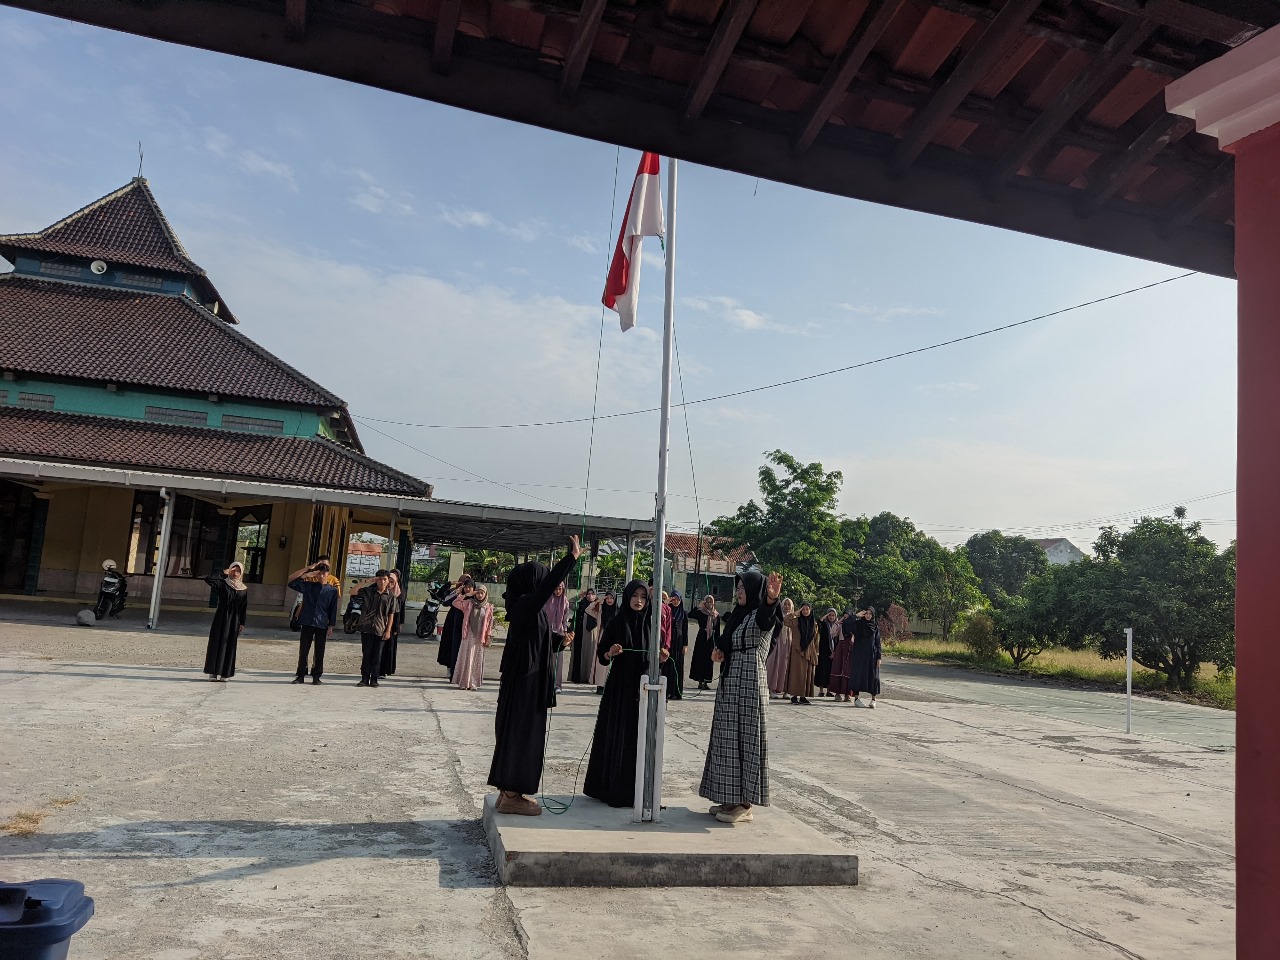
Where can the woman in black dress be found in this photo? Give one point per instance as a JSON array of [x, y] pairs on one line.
[[228, 621], [451, 632], [527, 688], [387, 668], [828, 636], [707, 618], [611, 773], [864, 666]]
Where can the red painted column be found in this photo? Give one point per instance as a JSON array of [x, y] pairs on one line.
[[1257, 211]]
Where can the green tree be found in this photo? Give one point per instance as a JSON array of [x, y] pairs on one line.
[[613, 566], [1175, 589], [945, 587], [1029, 622], [979, 635], [885, 552], [1003, 564], [794, 529]]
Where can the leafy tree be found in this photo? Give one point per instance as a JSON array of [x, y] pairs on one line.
[[1170, 584], [488, 566], [1030, 622], [613, 566], [945, 587], [1003, 564], [885, 554], [794, 529]]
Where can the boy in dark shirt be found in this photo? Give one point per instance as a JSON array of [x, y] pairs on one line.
[[319, 614], [375, 625]]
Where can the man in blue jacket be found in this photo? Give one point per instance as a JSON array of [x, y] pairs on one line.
[[319, 614]]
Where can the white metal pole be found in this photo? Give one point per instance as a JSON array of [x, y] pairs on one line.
[[162, 559], [1128, 680], [631, 559], [650, 804]]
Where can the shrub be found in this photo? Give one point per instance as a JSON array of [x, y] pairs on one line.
[[979, 635]]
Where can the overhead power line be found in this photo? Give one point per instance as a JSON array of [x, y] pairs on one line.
[[783, 383]]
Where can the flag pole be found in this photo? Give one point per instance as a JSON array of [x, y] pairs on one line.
[[650, 803]]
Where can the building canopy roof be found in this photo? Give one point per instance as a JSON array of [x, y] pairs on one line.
[[107, 442], [511, 529], [64, 329], [1043, 116]]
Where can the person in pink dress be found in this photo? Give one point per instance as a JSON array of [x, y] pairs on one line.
[[780, 656], [477, 625]]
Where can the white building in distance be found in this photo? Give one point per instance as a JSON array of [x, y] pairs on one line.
[[1061, 551]]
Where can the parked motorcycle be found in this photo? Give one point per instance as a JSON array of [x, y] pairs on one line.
[[111, 593], [351, 616], [428, 617]]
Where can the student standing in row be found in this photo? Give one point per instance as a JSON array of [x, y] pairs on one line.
[[707, 618], [557, 611], [864, 663], [830, 635], [583, 655], [780, 656], [477, 625], [804, 654], [375, 625], [318, 615], [228, 621]]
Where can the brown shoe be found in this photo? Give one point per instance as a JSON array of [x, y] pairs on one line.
[[518, 805]]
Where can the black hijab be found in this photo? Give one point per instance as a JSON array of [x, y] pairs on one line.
[[753, 586], [632, 628], [523, 580], [608, 610], [679, 617], [805, 625]]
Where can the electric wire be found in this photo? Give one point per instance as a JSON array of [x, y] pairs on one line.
[[792, 382]]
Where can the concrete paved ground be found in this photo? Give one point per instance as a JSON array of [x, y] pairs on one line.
[[256, 818]]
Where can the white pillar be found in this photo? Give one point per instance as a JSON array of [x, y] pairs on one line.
[[162, 559]]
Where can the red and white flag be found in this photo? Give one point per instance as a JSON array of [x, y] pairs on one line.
[[643, 219]]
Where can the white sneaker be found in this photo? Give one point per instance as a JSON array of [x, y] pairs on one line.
[[735, 814], [872, 704], [857, 702]]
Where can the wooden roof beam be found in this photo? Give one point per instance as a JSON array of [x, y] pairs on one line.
[[584, 37], [1116, 52], [295, 18], [835, 84], [1200, 20], [727, 34], [446, 30], [970, 71], [1186, 209], [1119, 173]]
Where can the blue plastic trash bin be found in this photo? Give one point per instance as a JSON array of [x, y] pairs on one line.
[[38, 919]]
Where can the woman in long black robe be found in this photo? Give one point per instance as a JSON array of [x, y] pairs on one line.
[[526, 689], [451, 632], [228, 621], [611, 772], [679, 635], [707, 618], [864, 666], [583, 653], [829, 632]]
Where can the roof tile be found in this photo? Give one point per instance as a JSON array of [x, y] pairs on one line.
[[61, 329], [110, 442], [126, 226]]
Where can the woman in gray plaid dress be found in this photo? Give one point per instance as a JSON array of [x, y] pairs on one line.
[[736, 775]]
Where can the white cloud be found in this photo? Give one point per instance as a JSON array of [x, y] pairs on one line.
[[249, 161], [954, 387], [583, 242], [464, 218], [888, 314], [651, 255], [733, 312], [369, 195]]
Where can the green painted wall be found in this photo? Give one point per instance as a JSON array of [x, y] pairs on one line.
[[131, 404]]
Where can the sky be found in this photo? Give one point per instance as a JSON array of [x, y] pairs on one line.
[[469, 253]]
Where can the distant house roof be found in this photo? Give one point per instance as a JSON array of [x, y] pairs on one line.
[[66, 329], [125, 227], [360, 548], [111, 442], [1054, 541], [687, 544]]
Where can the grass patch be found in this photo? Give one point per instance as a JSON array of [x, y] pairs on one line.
[[1083, 667], [57, 803], [24, 823]]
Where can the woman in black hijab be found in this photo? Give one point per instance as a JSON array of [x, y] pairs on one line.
[[608, 609], [527, 687], [736, 775], [451, 632], [864, 666], [583, 654], [679, 637], [803, 656], [611, 773], [707, 617]]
